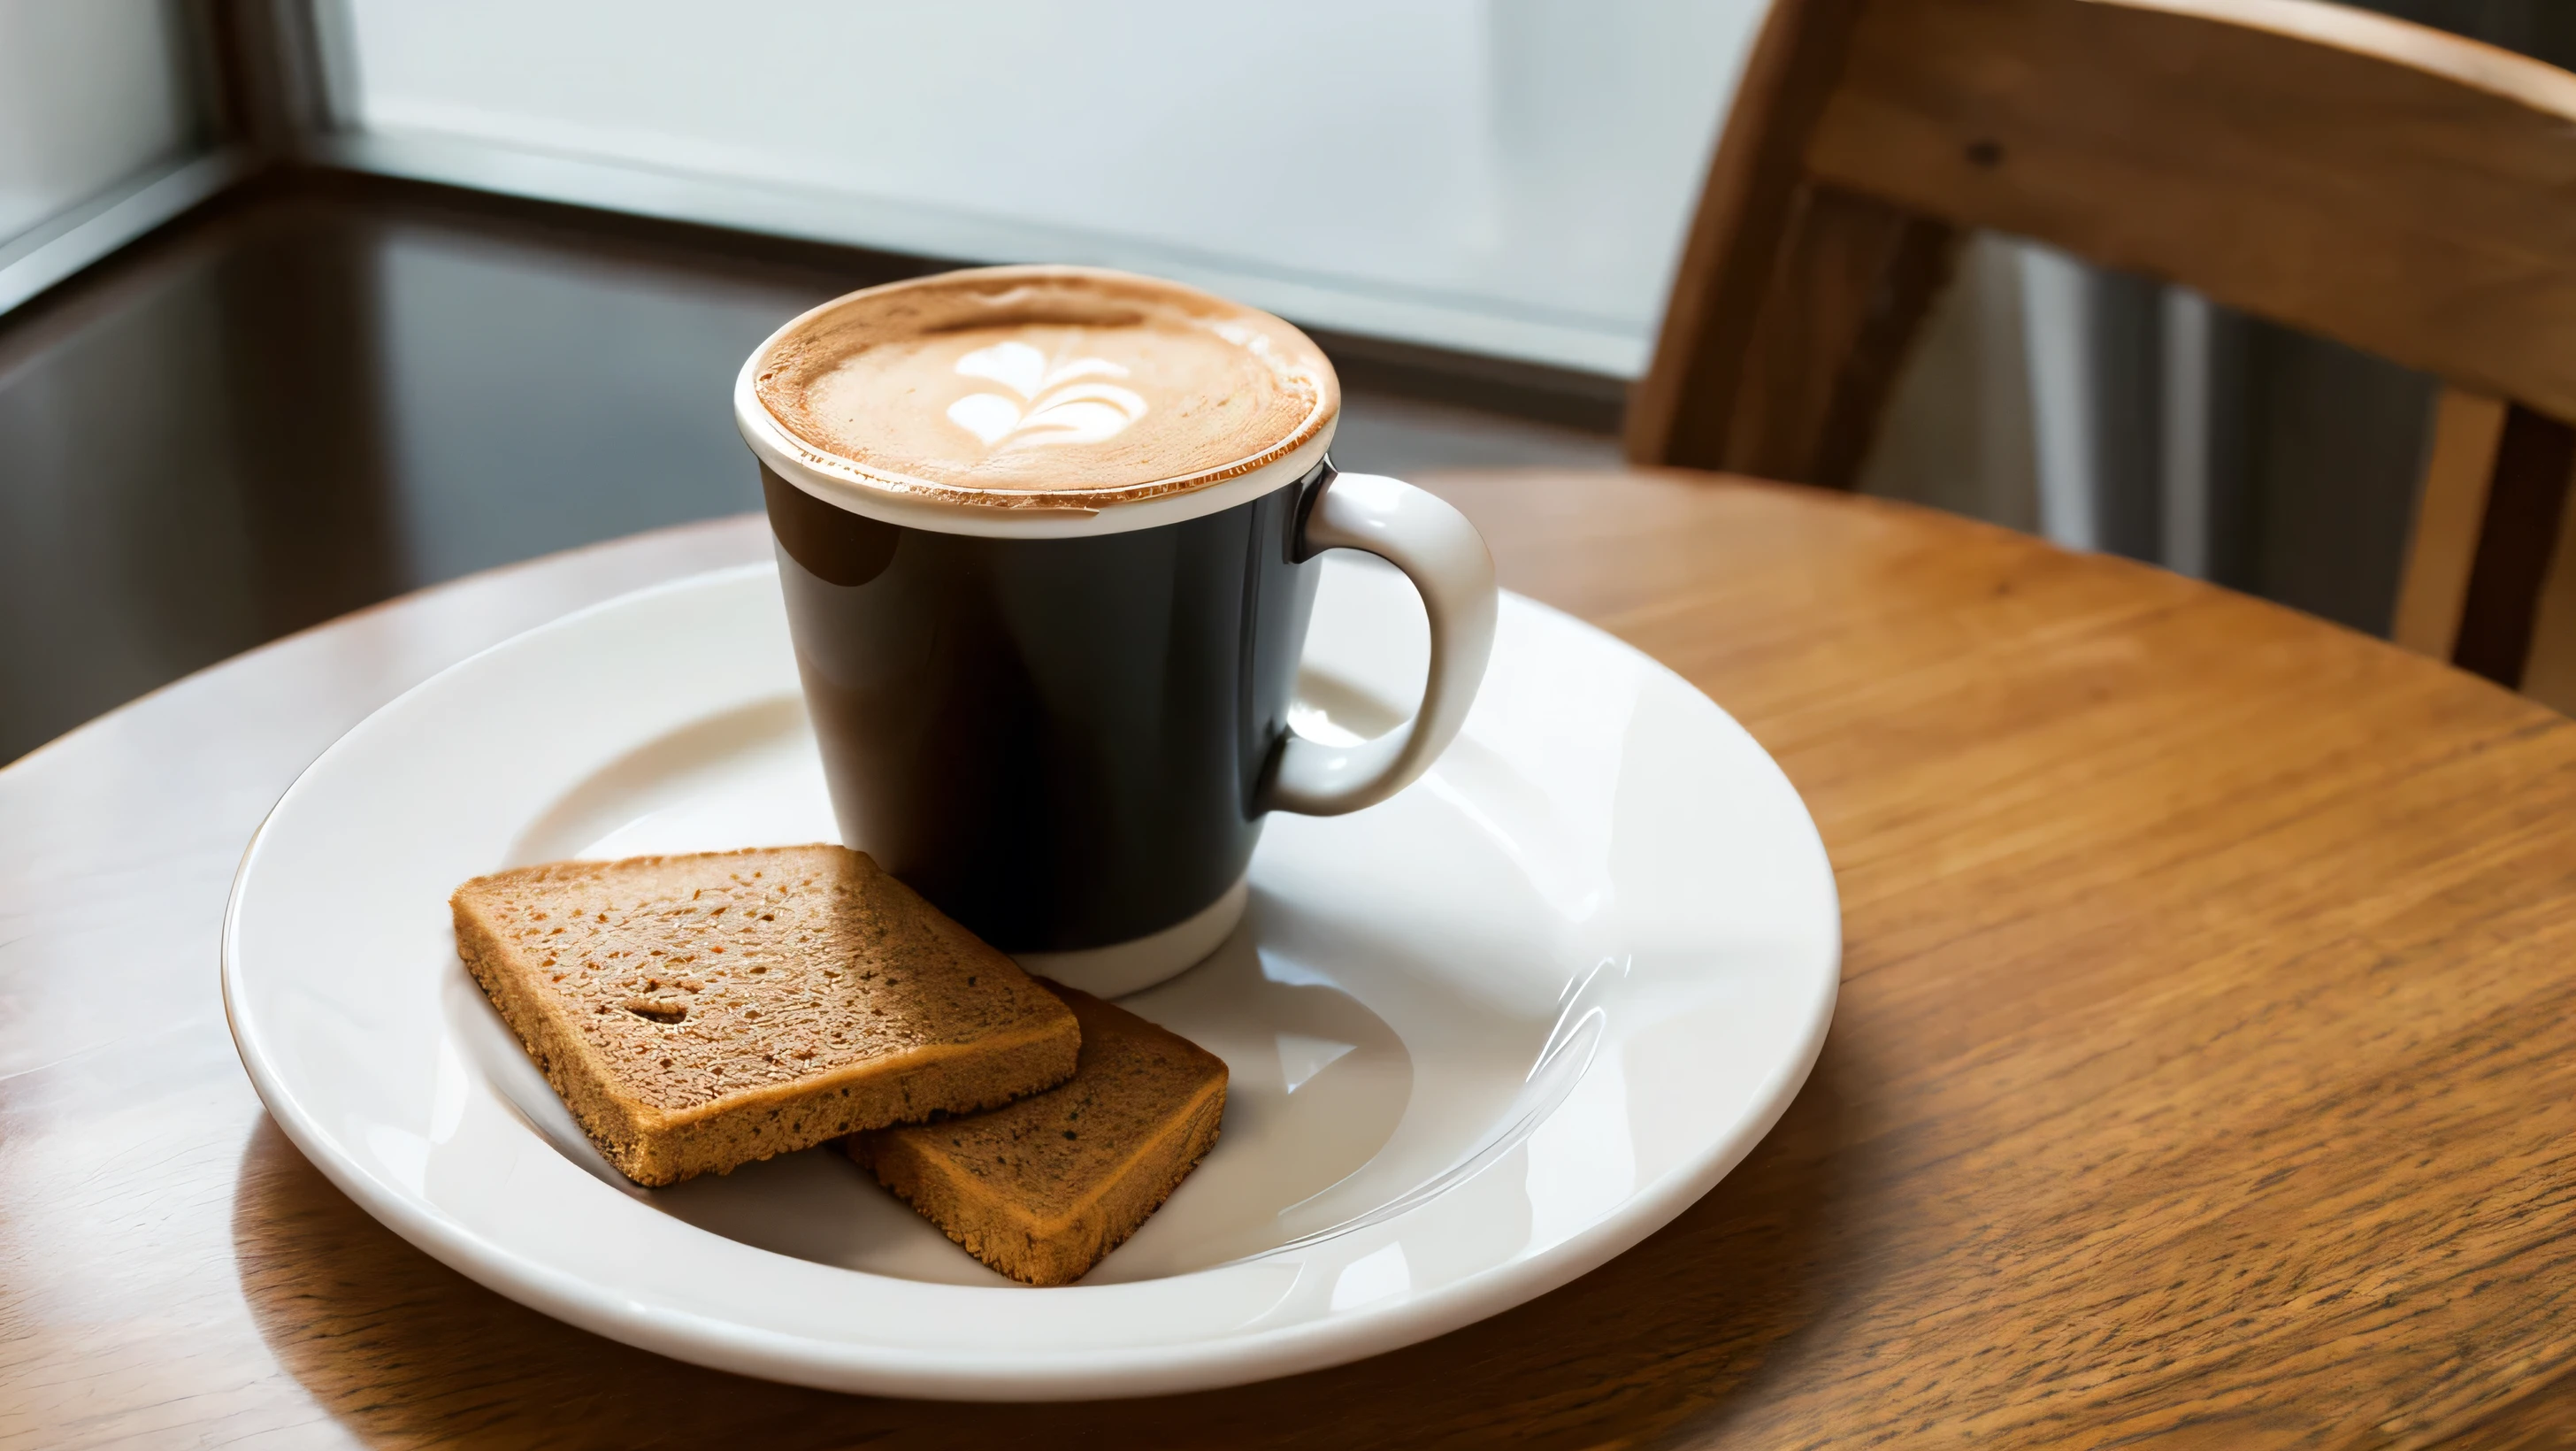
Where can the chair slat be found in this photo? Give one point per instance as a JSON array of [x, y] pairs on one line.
[[2406, 192]]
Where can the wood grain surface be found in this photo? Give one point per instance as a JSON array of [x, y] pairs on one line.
[[2374, 181], [2450, 507], [2526, 501], [1853, 283], [2204, 1073], [1684, 410]]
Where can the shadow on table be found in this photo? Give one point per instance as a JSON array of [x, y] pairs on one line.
[[405, 1351]]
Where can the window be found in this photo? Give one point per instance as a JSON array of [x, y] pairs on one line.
[[1500, 176]]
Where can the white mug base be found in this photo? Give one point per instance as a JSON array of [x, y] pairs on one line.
[[1139, 963]]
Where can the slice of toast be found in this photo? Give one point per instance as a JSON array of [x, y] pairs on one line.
[[1044, 1189], [700, 1012]]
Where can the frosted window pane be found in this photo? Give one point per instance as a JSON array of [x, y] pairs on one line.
[[1517, 159], [91, 92]]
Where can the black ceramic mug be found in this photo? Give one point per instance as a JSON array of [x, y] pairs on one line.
[[1064, 726]]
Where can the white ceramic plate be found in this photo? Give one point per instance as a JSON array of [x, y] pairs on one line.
[[1483, 1036]]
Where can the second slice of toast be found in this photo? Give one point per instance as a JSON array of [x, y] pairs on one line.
[[700, 1012], [1044, 1189]]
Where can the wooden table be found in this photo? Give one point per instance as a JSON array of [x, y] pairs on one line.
[[2205, 1069]]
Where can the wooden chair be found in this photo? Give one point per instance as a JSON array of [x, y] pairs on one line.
[[2372, 181]]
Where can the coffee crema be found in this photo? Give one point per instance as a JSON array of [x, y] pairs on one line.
[[1026, 387]]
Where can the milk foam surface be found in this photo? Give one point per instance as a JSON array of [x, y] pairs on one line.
[[1022, 385]]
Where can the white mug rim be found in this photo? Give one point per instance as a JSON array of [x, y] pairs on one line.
[[838, 482]]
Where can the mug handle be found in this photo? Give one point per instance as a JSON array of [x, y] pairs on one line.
[[1450, 567]]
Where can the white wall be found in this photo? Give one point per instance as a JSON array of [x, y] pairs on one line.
[[91, 92], [1529, 161]]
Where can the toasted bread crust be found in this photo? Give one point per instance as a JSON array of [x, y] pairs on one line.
[[687, 1044]]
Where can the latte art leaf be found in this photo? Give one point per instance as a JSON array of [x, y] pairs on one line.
[[988, 416], [1061, 407]]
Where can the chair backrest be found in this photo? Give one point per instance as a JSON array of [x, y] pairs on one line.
[[2389, 186]]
